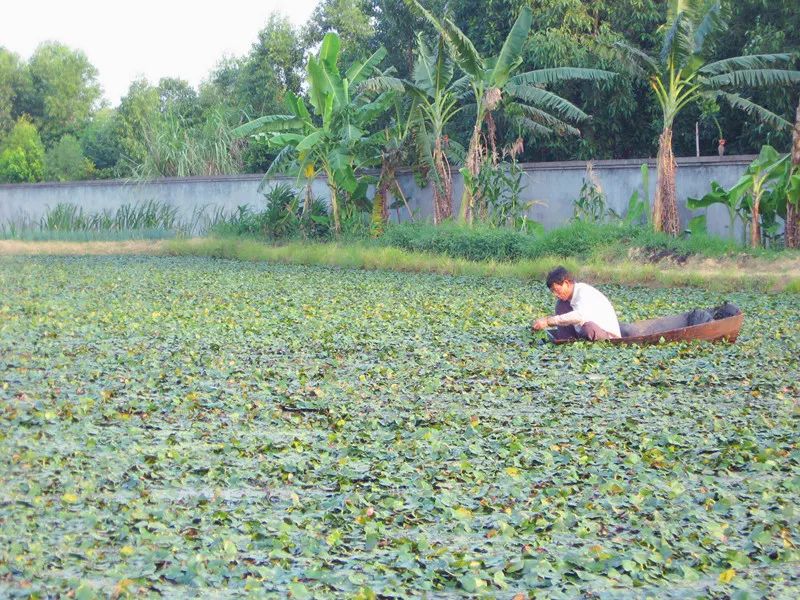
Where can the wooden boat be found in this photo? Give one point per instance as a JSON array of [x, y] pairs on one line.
[[675, 329]]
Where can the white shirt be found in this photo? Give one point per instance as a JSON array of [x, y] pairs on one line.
[[589, 304]]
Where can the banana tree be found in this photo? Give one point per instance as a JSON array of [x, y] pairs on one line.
[[793, 203], [680, 75], [393, 141], [434, 102], [495, 86], [336, 140], [760, 196]]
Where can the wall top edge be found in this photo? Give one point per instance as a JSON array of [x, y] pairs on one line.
[[572, 165]]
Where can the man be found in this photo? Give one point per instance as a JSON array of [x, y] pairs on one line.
[[581, 310]]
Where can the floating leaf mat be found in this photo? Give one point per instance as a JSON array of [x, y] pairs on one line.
[[207, 428]]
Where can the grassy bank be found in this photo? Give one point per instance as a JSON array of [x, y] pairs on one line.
[[742, 272]]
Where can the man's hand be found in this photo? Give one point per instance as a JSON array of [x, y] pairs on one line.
[[540, 324]]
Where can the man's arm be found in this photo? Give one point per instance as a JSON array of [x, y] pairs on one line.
[[571, 318]]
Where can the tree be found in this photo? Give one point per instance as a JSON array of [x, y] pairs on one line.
[[258, 83], [758, 27], [63, 92], [178, 97], [137, 109], [495, 87], [680, 76], [100, 142], [22, 154], [65, 161], [338, 141], [435, 102], [792, 229], [351, 20], [12, 80]]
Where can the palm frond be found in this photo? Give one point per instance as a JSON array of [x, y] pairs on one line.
[[462, 87], [463, 50], [678, 43], [547, 120], [635, 61], [383, 83], [751, 108], [531, 127], [547, 101], [310, 140], [372, 110], [753, 78], [278, 165], [443, 70], [559, 74], [423, 73], [709, 19], [269, 123], [358, 72], [510, 53], [754, 61]]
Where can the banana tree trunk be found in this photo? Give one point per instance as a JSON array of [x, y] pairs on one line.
[[473, 164], [337, 229], [665, 206], [793, 212], [442, 194], [755, 222], [380, 203]]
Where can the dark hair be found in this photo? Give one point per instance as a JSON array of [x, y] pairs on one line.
[[558, 275]]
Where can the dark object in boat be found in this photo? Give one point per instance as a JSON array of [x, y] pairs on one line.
[[726, 309], [677, 329], [699, 316]]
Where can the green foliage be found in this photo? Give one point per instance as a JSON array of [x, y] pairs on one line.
[[100, 142], [282, 218], [63, 91], [22, 154], [472, 243], [767, 183], [580, 240], [65, 161], [591, 203], [176, 148], [340, 140], [128, 217], [137, 112], [351, 20], [375, 429], [500, 186], [12, 81], [498, 85]]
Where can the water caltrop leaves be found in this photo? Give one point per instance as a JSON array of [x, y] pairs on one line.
[[195, 427]]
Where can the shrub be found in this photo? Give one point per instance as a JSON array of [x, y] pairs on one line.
[[65, 161], [282, 218], [579, 239], [22, 154], [472, 243]]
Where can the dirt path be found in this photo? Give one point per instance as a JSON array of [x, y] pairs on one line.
[[736, 272], [15, 247]]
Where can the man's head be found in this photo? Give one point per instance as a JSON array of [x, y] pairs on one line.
[[561, 283]]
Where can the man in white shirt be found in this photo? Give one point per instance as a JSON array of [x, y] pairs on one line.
[[581, 310]]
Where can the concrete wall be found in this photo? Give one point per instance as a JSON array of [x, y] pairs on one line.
[[554, 186]]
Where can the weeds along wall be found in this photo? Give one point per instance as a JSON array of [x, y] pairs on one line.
[[553, 187]]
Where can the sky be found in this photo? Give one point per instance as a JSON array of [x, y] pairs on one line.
[[149, 38]]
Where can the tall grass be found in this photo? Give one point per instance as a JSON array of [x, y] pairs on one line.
[[579, 239], [175, 149], [372, 257], [142, 220]]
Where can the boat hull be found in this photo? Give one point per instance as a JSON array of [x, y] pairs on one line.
[[675, 329]]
